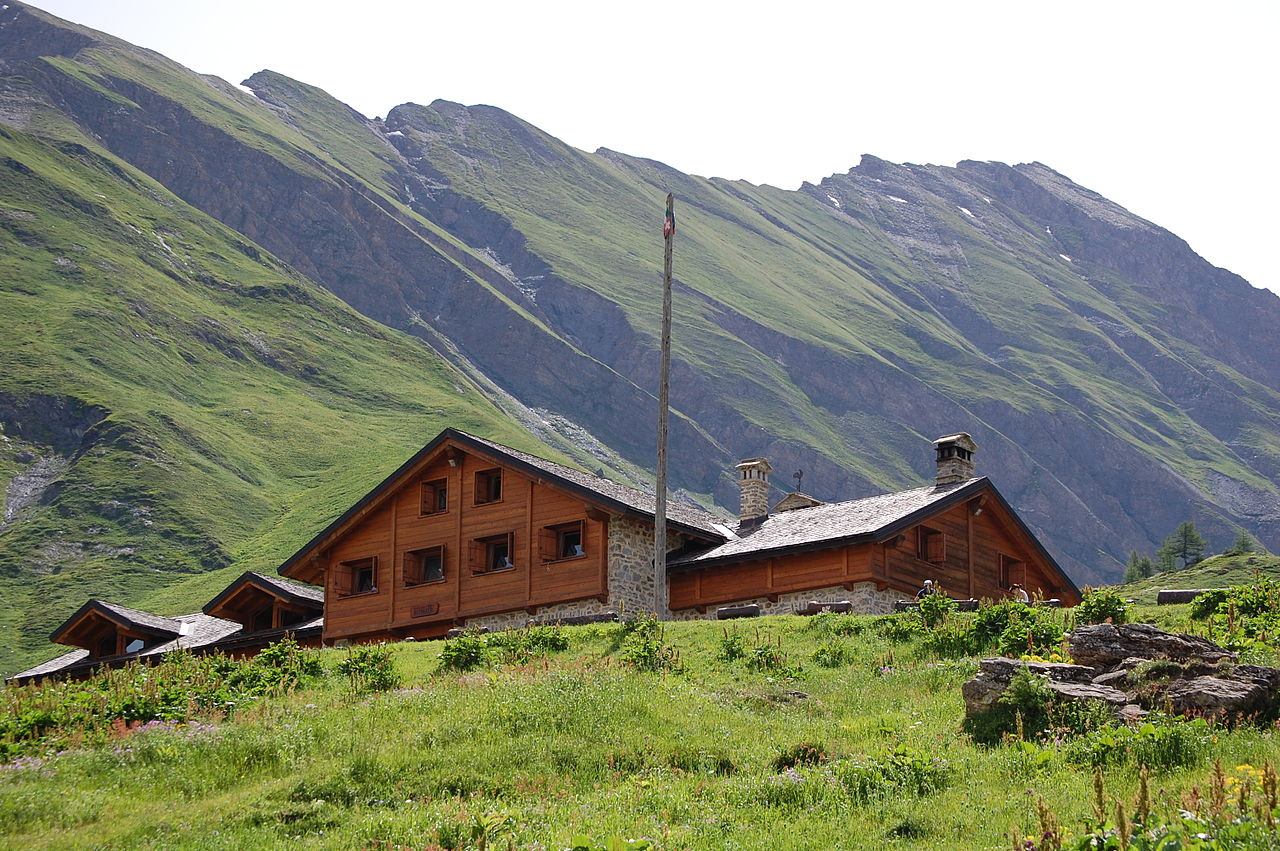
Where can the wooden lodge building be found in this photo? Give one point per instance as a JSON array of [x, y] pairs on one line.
[[470, 533], [249, 614]]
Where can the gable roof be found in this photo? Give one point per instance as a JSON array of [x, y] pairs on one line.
[[287, 589], [124, 616], [872, 518], [834, 523], [690, 520]]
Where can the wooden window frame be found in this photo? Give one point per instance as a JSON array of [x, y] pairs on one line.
[[414, 563], [483, 556], [348, 576], [1005, 567], [931, 545], [551, 543], [485, 486], [434, 492]]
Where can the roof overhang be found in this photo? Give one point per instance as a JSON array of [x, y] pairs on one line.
[[295, 566]]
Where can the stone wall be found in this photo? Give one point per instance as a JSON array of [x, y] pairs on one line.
[[865, 598], [631, 566]]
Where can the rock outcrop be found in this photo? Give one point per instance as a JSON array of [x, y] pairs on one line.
[[1136, 668]]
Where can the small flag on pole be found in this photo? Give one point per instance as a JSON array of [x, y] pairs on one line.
[[669, 223]]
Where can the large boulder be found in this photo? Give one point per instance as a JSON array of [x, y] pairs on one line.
[[1106, 646], [994, 675]]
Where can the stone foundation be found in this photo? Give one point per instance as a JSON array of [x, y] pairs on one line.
[[865, 598]]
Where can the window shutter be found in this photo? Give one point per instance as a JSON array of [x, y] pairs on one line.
[[342, 579], [937, 547]]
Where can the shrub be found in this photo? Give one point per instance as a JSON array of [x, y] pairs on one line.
[[898, 628], [370, 667], [464, 653], [1037, 631], [642, 646], [837, 623], [832, 653], [952, 641], [1160, 743], [1100, 605], [934, 608], [732, 647], [1208, 603]]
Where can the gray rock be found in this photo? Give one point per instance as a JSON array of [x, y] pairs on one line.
[[1106, 646], [1215, 696], [1088, 691]]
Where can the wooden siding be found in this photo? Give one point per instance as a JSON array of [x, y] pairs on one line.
[[969, 564], [397, 527]]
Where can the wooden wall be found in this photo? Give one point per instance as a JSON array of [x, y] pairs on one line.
[[398, 527], [974, 548]]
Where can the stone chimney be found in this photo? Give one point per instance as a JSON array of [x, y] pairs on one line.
[[955, 458], [753, 489]]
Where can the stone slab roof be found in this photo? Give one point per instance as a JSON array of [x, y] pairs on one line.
[[137, 617], [832, 524]]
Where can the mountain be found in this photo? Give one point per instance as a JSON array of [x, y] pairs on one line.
[[173, 246]]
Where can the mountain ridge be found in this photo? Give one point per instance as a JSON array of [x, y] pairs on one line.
[[1116, 382]]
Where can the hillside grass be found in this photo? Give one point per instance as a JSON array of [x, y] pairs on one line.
[[580, 743], [1220, 571]]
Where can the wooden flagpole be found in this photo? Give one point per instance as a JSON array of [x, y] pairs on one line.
[[664, 379]]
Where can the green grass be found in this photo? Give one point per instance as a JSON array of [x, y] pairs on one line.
[[1220, 571], [579, 743], [245, 406]]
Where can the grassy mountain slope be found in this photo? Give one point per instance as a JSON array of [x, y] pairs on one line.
[[1220, 571], [204, 404], [1116, 383]]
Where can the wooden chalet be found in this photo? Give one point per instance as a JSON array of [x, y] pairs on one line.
[[470, 533], [252, 612]]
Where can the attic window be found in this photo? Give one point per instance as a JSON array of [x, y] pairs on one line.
[[493, 554], [435, 497], [488, 486], [107, 646], [423, 566], [931, 546], [359, 576], [1012, 570], [563, 541]]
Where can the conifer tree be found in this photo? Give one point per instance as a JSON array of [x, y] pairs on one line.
[[1139, 567], [1243, 544], [1185, 543]]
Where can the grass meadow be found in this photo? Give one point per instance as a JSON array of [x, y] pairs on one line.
[[771, 733]]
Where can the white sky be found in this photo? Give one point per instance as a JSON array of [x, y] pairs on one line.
[[1168, 108]]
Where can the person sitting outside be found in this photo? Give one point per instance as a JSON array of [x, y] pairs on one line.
[[1020, 594], [926, 590]]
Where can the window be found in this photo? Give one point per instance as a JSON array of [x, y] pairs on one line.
[[1011, 570], [932, 546], [435, 496], [488, 486], [423, 566], [263, 619], [135, 645], [359, 576], [107, 645], [562, 542], [493, 553]]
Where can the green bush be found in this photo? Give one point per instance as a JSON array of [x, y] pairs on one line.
[[370, 667], [898, 628], [642, 646], [1157, 743], [1208, 603], [934, 608], [837, 623], [731, 646], [466, 652], [1100, 605], [832, 653], [801, 753]]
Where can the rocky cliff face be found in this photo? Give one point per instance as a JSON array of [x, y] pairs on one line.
[[1116, 382]]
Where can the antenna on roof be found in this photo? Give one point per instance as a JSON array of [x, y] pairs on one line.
[[798, 475]]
